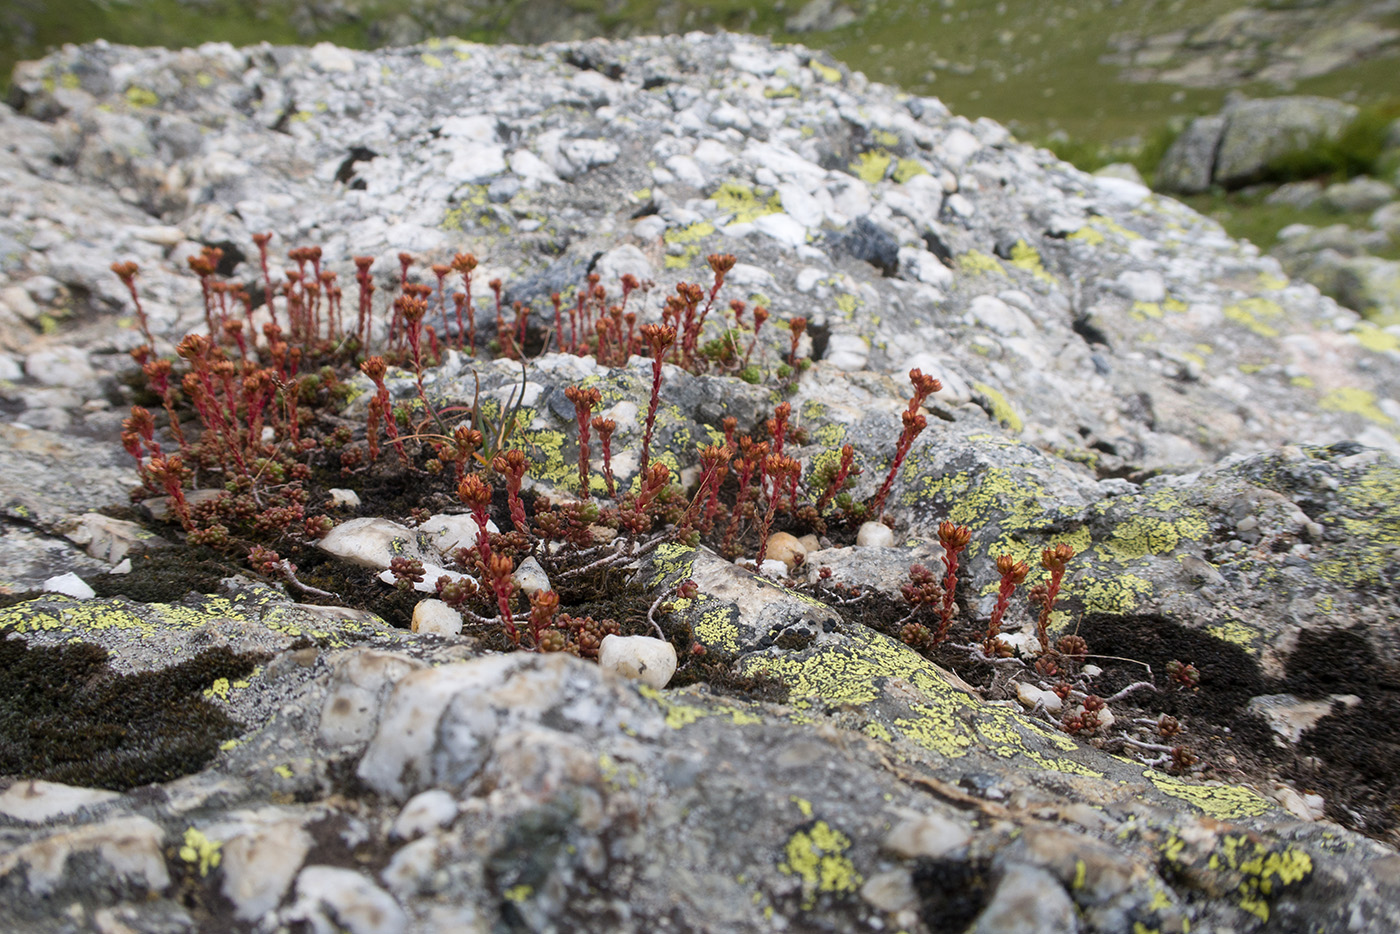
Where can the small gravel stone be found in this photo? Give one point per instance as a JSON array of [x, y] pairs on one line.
[[929, 835], [785, 547], [875, 535], [70, 585], [437, 618], [638, 658]]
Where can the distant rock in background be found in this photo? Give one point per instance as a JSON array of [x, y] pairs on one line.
[[1277, 43], [1236, 147]]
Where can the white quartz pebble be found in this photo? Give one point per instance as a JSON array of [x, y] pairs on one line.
[[638, 658]]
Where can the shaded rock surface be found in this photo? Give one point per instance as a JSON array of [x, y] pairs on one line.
[[1214, 440]]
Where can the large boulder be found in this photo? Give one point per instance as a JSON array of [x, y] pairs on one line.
[[1237, 146], [1257, 132], [1119, 375]]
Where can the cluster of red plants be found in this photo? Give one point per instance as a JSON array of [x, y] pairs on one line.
[[253, 435]]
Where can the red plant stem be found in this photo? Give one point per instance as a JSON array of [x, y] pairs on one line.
[[777, 425], [501, 337], [745, 467], [158, 373], [441, 272], [208, 304], [1004, 591], [576, 325], [291, 392], [1053, 560], [366, 290], [127, 273], [168, 470], [659, 337], [269, 293], [500, 568], [950, 583], [760, 315], [512, 465], [557, 301], [914, 423], [774, 465], [606, 427], [798, 327], [583, 400], [954, 538]]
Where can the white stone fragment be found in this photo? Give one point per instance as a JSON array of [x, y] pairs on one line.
[[532, 168], [802, 205], [424, 812], [1142, 285], [580, 155], [686, 170], [347, 498], [747, 275], [1030, 695], [1310, 807], [70, 585], [1122, 192], [925, 267], [360, 681], [35, 802], [890, 891], [108, 539], [850, 198], [259, 863], [848, 352], [448, 532], [435, 617], [638, 658], [623, 260], [331, 58], [957, 147], [59, 366], [929, 835], [479, 128], [475, 163], [159, 234], [530, 577], [329, 898], [371, 542], [773, 568], [960, 205], [131, 848], [874, 535], [783, 228], [401, 753], [998, 317]]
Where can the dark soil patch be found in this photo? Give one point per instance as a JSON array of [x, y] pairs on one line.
[[952, 892], [167, 575], [66, 716], [1351, 757]]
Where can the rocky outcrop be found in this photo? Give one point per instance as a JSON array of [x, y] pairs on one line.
[[1237, 147], [1214, 440], [1279, 44]]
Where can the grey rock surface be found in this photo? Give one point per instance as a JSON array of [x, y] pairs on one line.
[[1214, 440]]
